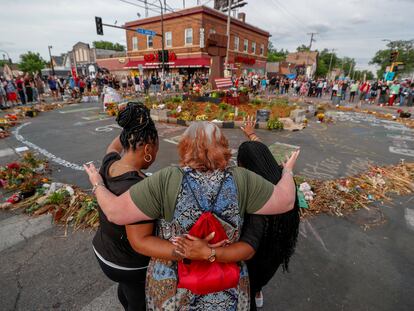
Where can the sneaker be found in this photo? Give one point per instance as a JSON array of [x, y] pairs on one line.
[[259, 299]]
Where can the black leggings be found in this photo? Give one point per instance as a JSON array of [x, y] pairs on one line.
[[131, 286]]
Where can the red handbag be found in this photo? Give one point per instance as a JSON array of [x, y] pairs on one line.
[[204, 277]]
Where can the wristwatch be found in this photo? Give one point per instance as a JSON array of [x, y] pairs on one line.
[[212, 257]]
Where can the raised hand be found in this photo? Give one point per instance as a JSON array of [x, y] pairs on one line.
[[94, 176], [249, 126]]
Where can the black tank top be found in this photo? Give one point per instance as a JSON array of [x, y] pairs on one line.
[[110, 240]]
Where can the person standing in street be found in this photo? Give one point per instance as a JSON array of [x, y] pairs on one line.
[[28, 88], [3, 95], [11, 91], [374, 92], [394, 92], [20, 90], [353, 90], [363, 91], [383, 90], [40, 86], [53, 86]]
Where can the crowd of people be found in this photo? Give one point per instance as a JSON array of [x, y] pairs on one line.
[[192, 237]]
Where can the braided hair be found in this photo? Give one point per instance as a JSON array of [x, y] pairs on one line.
[[138, 127], [281, 231]]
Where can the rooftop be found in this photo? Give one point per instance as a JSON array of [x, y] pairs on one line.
[[196, 10]]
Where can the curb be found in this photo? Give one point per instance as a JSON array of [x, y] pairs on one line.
[[220, 124]]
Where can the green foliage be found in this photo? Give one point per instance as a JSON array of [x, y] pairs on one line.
[[302, 48], [107, 45], [405, 50], [208, 109], [3, 62], [256, 101], [275, 55], [242, 114], [274, 124], [31, 62], [177, 99], [223, 106], [280, 102], [58, 197]]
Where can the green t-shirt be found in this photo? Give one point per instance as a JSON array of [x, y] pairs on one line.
[[156, 196]]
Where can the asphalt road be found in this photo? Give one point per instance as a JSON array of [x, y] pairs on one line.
[[337, 266]]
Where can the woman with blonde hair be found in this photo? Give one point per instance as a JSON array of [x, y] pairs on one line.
[[203, 196]]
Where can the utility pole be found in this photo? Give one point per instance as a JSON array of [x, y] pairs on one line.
[[162, 38], [227, 66], [330, 62], [146, 8], [312, 34], [350, 69], [310, 47], [183, 4], [51, 60]]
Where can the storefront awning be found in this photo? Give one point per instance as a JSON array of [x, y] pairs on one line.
[[196, 62]]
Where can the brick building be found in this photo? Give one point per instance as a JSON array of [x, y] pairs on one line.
[[186, 32]]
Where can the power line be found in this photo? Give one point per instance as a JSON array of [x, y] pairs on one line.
[[172, 11], [289, 15]]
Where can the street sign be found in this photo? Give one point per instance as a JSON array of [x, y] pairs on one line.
[[146, 32], [389, 76]]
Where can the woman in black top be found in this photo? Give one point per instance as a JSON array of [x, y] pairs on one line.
[[272, 237], [118, 260]]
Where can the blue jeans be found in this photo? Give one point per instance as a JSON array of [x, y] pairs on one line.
[[22, 96]]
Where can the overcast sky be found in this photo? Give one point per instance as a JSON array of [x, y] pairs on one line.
[[354, 28]]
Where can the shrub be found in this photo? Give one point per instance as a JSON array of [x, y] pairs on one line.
[[256, 101], [274, 124], [223, 106], [177, 99]]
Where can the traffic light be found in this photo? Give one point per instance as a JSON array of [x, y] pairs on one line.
[[162, 56], [99, 27], [393, 56]]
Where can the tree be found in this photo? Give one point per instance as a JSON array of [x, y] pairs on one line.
[[106, 45], [324, 60], [405, 50], [3, 62], [31, 62], [303, 48], [274, 55]]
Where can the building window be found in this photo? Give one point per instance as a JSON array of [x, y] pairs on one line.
[[212, 31], [168, 39], [150, 42], [253, 47], [134, 43], [246, 46], [236, 43], [189, 36], [262, 49]]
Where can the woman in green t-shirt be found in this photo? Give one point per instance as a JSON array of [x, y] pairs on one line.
[[177, 197]]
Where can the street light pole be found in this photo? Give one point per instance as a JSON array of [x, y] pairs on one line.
[[228, 33], [162, 38], [51, 60]]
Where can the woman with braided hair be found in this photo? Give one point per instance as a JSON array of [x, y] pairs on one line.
[[130, 153]]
